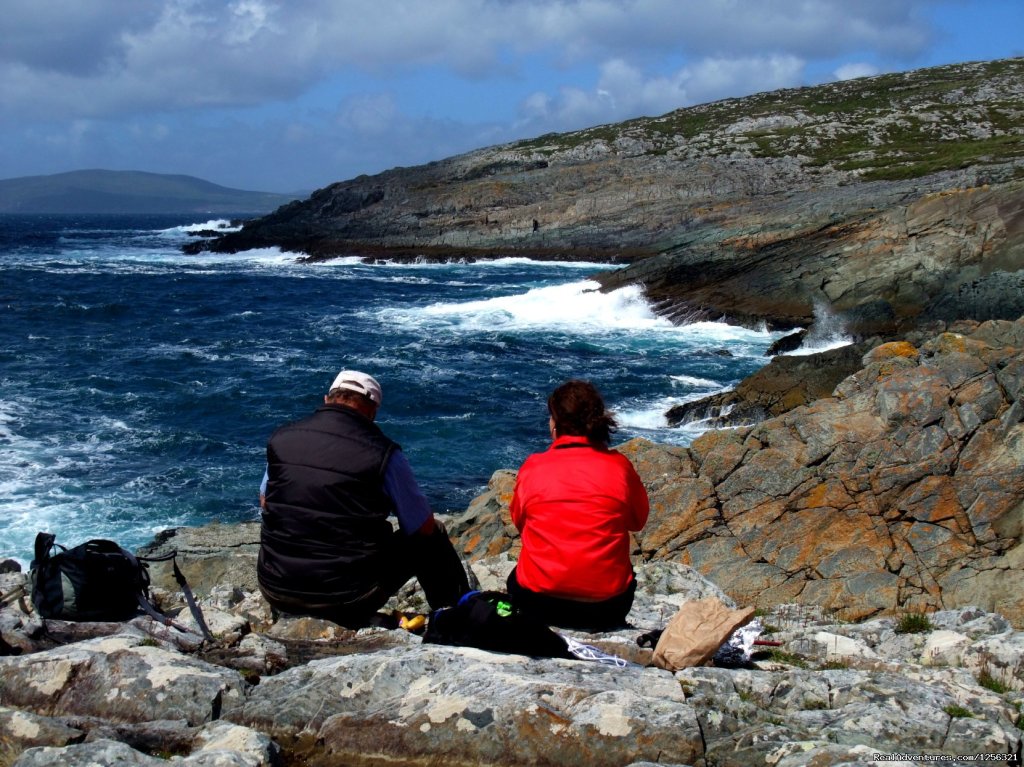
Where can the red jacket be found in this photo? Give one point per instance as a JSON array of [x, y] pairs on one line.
[[574, 506]]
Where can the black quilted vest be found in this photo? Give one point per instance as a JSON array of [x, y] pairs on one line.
[[325, 527]]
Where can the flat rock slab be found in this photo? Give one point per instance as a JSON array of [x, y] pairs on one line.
[[121, 678], [429, 705]]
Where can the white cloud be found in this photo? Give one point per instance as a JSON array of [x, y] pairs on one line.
[[249, 18], [106, 57], [729, 28], [716, 78], [74, 136], [282, 90], [150, 133], [69, 36], [854, 70], [624, 91]]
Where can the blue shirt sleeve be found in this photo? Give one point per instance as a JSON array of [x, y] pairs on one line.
[[263, 484], [411, 505]]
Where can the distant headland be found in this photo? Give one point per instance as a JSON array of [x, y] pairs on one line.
[[885, 202], [128, 192]]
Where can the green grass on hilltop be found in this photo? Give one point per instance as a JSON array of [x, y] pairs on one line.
[[893, 126]]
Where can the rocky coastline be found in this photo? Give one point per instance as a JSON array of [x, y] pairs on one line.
[[900, 491], [878, 531], [889, 202], [867, 502], [279, 690]]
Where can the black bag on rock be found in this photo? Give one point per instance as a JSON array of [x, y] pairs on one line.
[[489, 620], [98, 581]]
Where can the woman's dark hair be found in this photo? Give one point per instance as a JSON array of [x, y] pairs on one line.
[[579, 411]]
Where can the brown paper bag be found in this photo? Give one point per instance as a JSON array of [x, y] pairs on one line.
[[696, 632]]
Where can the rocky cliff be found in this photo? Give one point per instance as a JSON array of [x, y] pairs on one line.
[[901, 490], [886, 200]]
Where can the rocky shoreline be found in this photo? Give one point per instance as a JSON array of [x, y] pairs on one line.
[[878, 530], [285, 691], [900, 491], [868, 503]]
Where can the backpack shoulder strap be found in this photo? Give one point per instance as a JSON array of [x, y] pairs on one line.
[[43, 546], [186, 590]]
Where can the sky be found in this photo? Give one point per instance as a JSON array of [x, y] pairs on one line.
[[292, 95]]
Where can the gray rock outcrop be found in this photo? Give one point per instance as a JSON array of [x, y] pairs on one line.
[[887, 201], [879, 269], [302, 691], [900, 491]]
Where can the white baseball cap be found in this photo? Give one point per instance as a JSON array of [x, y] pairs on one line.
[[353, 380]]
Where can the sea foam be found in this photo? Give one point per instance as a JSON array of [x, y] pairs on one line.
[[220, 225], [576, 305]]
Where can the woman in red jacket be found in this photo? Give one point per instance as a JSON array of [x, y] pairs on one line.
[[574, 506]]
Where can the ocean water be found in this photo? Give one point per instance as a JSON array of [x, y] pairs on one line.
[[139, 385]]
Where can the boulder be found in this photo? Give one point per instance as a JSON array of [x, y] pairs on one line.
[[469, 706], [207, 556], [122, 678], [785, 383]]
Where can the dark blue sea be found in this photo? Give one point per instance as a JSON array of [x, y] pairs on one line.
[[139, 385]]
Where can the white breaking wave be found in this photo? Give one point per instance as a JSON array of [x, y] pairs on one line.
[[578, 306], [826, 332], [261, 256], [221, 225], [258, 256], [7, 416], [336, 262], [46, 484], [693, 382], [515, 261], [644, 417], [30, 498], [822, 345], [146, 262], [722, 332], [648, 417]]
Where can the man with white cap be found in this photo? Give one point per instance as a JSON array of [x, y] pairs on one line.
[[327, 548]]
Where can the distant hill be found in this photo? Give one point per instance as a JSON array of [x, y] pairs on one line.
[[110, 191]]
